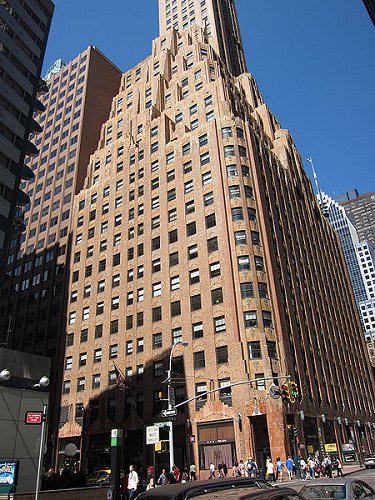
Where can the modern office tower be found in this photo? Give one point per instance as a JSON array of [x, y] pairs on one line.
[[24, 28], [197, 224], [370, 6], [32, 305], [360, 259], [349, 241], [361, 211]]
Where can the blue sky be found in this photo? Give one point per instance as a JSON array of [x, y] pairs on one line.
[[313, 61]]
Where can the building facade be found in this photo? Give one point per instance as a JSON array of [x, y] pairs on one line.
[[32, 303], [349, 239], [197, 224], [24, 29], [359, 258], [361, 211]]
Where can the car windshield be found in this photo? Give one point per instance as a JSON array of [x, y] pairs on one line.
[[323, 491]]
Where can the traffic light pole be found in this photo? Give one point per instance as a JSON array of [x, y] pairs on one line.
[[170, 423], [235, 384]]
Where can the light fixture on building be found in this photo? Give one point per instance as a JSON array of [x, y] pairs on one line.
[[42, 384], [4, 375]]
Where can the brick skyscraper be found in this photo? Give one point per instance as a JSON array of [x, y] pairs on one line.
[[197, 223], [32, 304]]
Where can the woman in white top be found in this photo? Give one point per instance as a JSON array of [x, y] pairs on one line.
[[270, 471]]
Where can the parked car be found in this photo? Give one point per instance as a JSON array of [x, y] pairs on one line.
[[221, 489], [99, 478], [369, 461], [340, 488]]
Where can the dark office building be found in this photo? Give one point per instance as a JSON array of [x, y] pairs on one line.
[[33, 297], [24, 28]]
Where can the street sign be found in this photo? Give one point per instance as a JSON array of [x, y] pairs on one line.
[[169, 413], [275, 392], [33, 417], [152, 434]]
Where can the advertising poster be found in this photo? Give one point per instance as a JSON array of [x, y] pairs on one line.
[[8, 476]]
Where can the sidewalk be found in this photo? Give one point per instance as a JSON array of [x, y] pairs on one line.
[[351, 469]]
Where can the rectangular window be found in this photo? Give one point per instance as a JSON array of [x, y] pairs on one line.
[[199, 360], [243, 263], [176, 335], [250, 318], [210, 221], [267, 319], [215, 269], [156, 314], [212, 244], [195, 302], [174, 283], [263, 290], [219, 324], [175, 308], [191, 229], [247, 290], [254, 349], [240, 237], [205, 158], [157, 341], [222, 355], [197, 329]]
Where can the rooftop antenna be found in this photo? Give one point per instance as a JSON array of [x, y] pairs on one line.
[[320, 194]]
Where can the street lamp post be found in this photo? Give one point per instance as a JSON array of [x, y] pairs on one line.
[[171, 402]]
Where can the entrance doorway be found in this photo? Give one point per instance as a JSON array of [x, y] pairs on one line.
[[261, 443]]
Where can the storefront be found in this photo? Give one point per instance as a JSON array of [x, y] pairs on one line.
[[216, 444]]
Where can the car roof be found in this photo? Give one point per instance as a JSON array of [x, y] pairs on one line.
[[259, 494], [181, 490]]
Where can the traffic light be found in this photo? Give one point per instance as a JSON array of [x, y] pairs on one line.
[[285, 392], [293, 391]]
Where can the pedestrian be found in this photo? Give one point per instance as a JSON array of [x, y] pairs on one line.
[[176, 473], [241, 468], [235, 470], [150, 484], [212, 471], [312, 467], [270, 470], [279, 468], [133, 480], [163, 479], [220, 468], [297, 466], [289, 467], [339, 468], [184, 477], [251, 467], [193, 472], [303, 467]]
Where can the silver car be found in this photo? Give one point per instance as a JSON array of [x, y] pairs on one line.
[[344, 489], [369, 461]]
